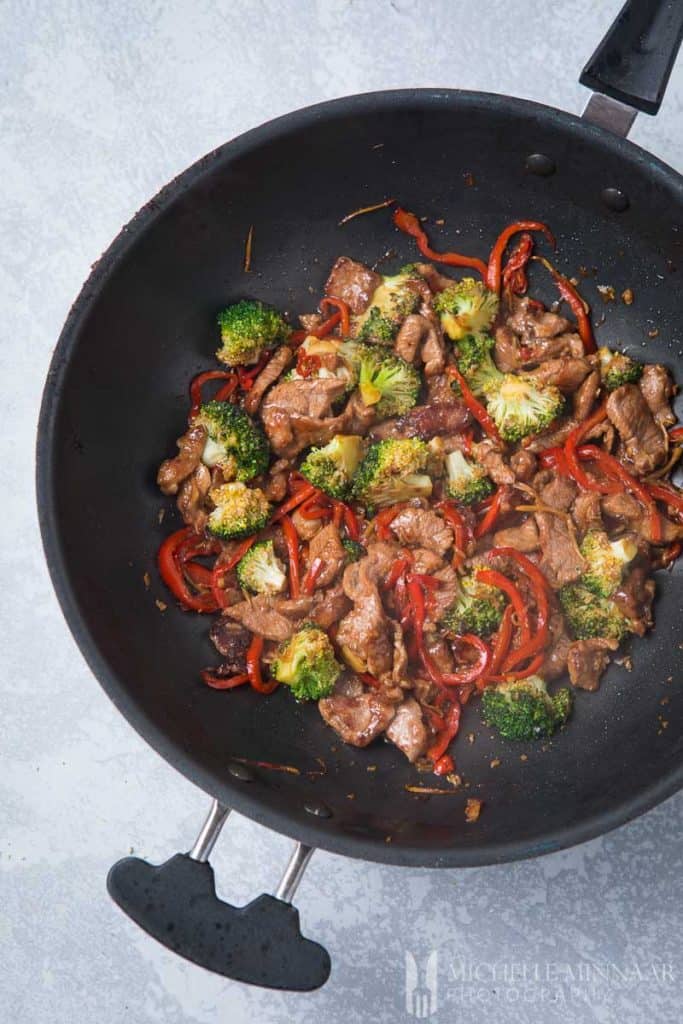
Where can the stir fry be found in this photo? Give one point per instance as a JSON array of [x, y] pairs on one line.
[[434, 489]]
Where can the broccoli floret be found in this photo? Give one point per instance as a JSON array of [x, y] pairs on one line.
[[386, 381], [411, 270], [520, 407], [606, 560], [590, 615], [331, 469], [306, 663], [477, 609], [394, 300], [239, 511], [467, 480], [466, 307], [393, 470], [524, 710], [476, 364], [248, 328], [616, 368], [260, 571], [354, 550], [234, 441]]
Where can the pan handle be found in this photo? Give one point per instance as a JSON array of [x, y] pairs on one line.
[[633, 62], [259, 943]]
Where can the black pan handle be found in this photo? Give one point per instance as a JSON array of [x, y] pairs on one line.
[[633, 62], [260, 943]]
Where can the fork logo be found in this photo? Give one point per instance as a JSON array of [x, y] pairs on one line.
[[421, 990]]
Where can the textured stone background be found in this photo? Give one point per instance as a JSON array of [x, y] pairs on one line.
[[100, 104]]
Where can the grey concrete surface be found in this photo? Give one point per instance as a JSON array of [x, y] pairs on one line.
[[100, 104]]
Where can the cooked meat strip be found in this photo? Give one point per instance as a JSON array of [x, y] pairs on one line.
[[586, 395], [426, 562], [523, 464], [364, 631], [587, 660], [274, 618], [375, 566], [353, 283], [424, 528], [172, 472], [644, 442], [440, 390], [357, 720], [425, 422], [629, 512], [559, 491], [275, 485], [433, 352], [408, 731], [306, 528], [657, 388], [412, 333], [191, 499], [231, 640], [506, 352], [531, 322], [555, 437], [327, 546], [347, 685], [435, 279], [446, 594], [634, 597], [278, 362], [566, 374], [296, 414], [586, 512], [329, 606], [489, 456], [524, 537], [555, 663], [561, 561]]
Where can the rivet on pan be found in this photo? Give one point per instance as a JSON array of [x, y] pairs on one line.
[[318, 808], [539, 163], [615, 199], [240, 771]]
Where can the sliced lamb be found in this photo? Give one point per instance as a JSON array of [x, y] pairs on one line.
[[364, 631], [192, 497], [426, 562], [408, 731], [274, 618], [357, 720], [276, 365], [275, 486], [531, 322], [296, 414], [422, 527], [412, 333], [231, 640], [644, 441], [566, 374], [558, 493], [587, 512], [446, 593], [327, 546], [437, 281], [657, 388], [523, 464], [329, 606], [523, 538], [585, 396], [555, 663], [172, 472], [353, 283], [634, 598], [630, 513], [488, 455], [561, 561], [587, 660], [506, 354], [425, 422], [440, 390], [433, 353], [305, 528]]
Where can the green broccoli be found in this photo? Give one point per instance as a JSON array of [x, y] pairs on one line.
[[394, 300], [260, 571], [524, 710], [354, 550], [393, 470], [466, 307], [616, 368], [331, 469], [520, 407], [376, 327], [386, 381], [477, 609], [467, 481], [234, 441], [248, 328], [476, 364], [606, 560], [239, 511], [590, 615], [306, 663]]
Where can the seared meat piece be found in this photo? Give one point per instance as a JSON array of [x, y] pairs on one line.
[[644, 441], [172, 472], [416, 526], [425, 422], [412, 333], [531, 323], [296, 414], [190, 501], [408, 730], [561, 561], [587, 660], [426, 562], [347, 685], [629, 512], [309, 321], [435, 279], [353, 283], [357, 720], [559, 492], [231, 640], [433, 352], [523, 464], [565, 374], [552, 438], [275, 618], [586, 395], [364, 631], [439, 390], [399, 669], [657, 388], [375, 566], [506, 352], [586, 511], [444, 597], [555, 663], [306, 528], [327, 546], [329, 606], [278, 362], [634, 597], [524, 538], [488, 455]]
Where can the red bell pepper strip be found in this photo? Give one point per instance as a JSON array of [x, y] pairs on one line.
[[514, 272], [461, 531], [292, 542], [198, 575], [343, 309], [676, 434], [369, 680], [171, 572], [667, 495], [449, 725], [351, 522], [475, 671], [485, 524], [220, 569], [400, 566], [246, 377], [323, 329], [540, 589], [198, 382], [556, 458], [383, 520], [410, 225], [579, 308], [492, 276], [493, 578], [223, 682], [254, 666], [572, 461], [531, 669], [307, 365], [613, 467], [475, 407], [502, 643], [303, 494], [309, 580]]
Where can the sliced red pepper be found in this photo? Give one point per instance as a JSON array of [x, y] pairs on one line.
[[351, 522], [198, 575], [493, 578], [309, 580], [398, 569], [223, 682], [502, 642], [292, 542], [524, 673], [579, 308], [307, 364], [171, 572], [475, 407], [670, 497], [246, 377], [198, 382], [475, 671], [383, 519], [447, 729], [485, 524], [254, 667], [369, 680], [514, 273], [540, 588], [571, 458], [613, 467], [676, 434], [345, 320], [493, 271], [321, 331], [461, 532], [410, 225], [304, 492]]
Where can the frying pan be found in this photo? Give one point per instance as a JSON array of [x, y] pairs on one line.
[[115, 401]]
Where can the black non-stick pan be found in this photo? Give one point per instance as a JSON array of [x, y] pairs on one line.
[[115, 401]]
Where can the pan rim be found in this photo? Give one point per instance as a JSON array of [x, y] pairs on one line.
[[313, 831]]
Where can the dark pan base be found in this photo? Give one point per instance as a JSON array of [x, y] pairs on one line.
[[116, 400]]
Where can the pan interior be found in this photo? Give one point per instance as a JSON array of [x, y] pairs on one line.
[[117, 400]]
